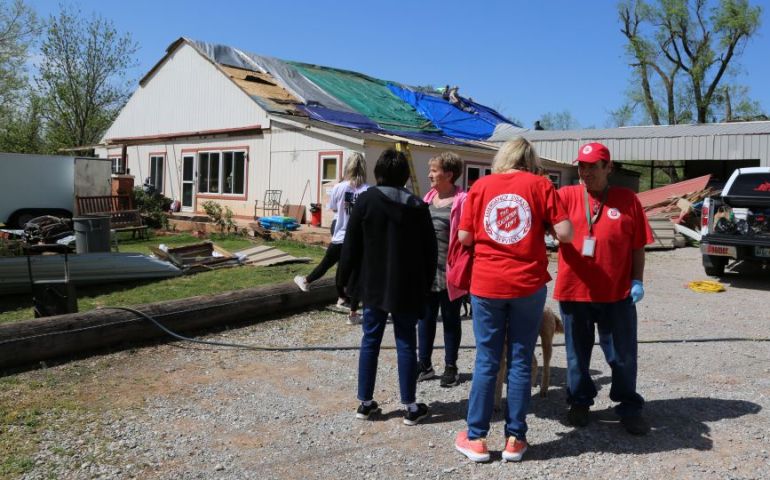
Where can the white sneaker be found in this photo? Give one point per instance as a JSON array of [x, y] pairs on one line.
[[302, 283], [354, 318]]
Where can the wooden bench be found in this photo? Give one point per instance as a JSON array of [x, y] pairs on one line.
[[103, 204], [123, 217]]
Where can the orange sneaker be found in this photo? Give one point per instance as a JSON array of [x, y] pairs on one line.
[[476, 449], [514, 449]]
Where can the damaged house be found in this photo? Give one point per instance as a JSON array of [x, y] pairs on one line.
[[212, 122]]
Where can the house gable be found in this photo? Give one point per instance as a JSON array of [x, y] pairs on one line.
[[186, 93]]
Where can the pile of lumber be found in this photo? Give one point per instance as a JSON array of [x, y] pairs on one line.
[[670, 211], [198, 257]]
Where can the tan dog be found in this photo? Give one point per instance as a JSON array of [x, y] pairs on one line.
[[550, 325]]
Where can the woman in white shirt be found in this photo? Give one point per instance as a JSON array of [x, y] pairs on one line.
[[341, 202]]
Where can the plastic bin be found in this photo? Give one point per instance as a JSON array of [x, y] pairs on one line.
[[315, 214], [278, 223], [92, 234]]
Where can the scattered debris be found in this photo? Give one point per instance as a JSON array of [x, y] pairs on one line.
[[265, 256], [673, 211], [198, 257]]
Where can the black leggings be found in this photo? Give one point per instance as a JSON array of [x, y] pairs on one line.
[[331, 258]]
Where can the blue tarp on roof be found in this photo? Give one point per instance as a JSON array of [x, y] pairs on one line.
[[353, 100], [337, 117], [477, 123]]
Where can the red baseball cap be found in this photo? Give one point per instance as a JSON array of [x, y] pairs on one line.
[[592, 153]]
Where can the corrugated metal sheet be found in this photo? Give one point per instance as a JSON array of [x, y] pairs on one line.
[[719, 141], [89, 268], [657, 195]]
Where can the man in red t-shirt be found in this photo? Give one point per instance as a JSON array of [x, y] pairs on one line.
[[599, 282]]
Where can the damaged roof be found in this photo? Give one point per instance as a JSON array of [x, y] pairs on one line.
[[350, 99]]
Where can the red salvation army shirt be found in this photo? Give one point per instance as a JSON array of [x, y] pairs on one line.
[[621, 228], [506, 213]]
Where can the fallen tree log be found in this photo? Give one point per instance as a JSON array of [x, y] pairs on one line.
[[30, 341]]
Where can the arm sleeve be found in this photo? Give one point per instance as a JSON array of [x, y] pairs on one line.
[[466, 216], [554, 207], [334, 198], [352, 248], [642, 231]]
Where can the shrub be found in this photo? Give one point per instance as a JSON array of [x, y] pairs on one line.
[[222, 217], [153, 207]]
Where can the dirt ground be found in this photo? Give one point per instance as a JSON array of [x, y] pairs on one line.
[[184, 411]]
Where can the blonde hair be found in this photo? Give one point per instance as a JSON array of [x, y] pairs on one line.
[[355, 169], [517, 154], [449, 162]]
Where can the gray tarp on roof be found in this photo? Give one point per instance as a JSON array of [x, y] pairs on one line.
[[290, 79]]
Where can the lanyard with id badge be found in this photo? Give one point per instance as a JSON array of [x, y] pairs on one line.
[[589, 241]]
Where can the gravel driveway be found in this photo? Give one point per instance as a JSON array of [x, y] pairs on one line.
[[180, 411]]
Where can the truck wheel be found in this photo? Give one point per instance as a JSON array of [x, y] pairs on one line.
[[714, 266]]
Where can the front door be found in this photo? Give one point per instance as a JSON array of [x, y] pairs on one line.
[[188, 183]]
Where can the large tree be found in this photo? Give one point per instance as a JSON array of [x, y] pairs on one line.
[[682, 50], [18, 28], [83, 77]]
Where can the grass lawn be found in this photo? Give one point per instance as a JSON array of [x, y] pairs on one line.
[[19, 307]]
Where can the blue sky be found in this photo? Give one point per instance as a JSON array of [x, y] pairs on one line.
[[524, 58]]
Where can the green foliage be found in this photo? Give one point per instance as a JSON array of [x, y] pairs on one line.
[[222, 217], [83, 76], [681, 53], [18, 27], [153, 206], [24, 131], [559, 121]]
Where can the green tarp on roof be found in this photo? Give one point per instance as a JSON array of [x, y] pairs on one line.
[[368, 96]]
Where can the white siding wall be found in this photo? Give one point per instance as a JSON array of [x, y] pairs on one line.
[[187, 93], [257, 167], [295, 161]]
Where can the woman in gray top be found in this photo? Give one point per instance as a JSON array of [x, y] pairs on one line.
[[445, 200]]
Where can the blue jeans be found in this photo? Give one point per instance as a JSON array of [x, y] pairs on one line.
[[616, 323], [515, 322], [404, 330], [426, 327]]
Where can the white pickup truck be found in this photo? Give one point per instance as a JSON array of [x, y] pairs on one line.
[[736, 224], [35, 185]]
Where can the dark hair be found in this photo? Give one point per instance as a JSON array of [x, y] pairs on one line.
[[391, 169]]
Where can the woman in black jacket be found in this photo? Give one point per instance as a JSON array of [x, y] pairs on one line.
[[389, 261]]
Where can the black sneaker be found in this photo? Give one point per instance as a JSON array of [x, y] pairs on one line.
[[578, 415], [635, 425], [413, 418], [450, 378], [425, 372], [363, 411]]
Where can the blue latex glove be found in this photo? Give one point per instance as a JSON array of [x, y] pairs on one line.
[[637, 290]]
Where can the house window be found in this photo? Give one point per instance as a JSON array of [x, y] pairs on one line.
[[329, 169], [156, 172], [474, 172], [555, 178], [222, 172], [118, 165]]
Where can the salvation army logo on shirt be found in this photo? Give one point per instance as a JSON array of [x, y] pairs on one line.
[[507, 218], [613, 213]]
